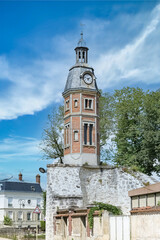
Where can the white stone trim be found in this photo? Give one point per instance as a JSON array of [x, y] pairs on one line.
[[75, 100], [96, 135], [81, 134], [70, 136], [93, 140], [74, 135], [89, 99], [71, 103], [95, 105], [67, 125], [67, 108], [80, 159], [88, 122], [80, 103]]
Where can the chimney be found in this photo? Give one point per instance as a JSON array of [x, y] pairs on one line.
[[38, 178], [20, 176]]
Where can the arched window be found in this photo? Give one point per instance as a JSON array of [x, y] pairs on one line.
[[83, 55], [85, 133]]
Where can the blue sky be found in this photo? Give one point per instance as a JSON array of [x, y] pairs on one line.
[[37, 42]]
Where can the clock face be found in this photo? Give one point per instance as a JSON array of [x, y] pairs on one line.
[[87, 78]]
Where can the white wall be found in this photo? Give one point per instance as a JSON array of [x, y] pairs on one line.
[[17, 196], [119, 227], [2, 213], [145, 227], [2, 201]]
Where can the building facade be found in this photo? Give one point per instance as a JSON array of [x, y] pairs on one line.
[[18, 200]]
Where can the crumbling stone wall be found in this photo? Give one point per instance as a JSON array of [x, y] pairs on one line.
[[69, 185]]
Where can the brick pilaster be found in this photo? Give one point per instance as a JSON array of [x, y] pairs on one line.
[[70, 224], [88, 228]]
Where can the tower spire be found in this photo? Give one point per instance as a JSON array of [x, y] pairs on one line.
[[81, 120], [81, 51], [81, 42]]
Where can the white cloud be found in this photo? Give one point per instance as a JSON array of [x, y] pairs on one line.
[[129, 53], [30, 88], [138, 61], [21, 154], [19, 149]]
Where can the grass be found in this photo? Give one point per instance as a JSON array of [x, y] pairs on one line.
[[31, 236]]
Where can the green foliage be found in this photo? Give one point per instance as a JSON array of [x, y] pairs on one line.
[[33, 236], [29, 236], [106, 124], [100, 181], [4, 236], [52, 138], [146, 184], [44, 203], [15, 237], [85, 164], [100, 207], [7, 221], [158, 204], [42, 236], [128, 104], [135, 168], [137, 125], [43, 225]]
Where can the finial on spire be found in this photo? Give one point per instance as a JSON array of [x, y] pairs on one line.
[[81, 35], [81, 49], [81, 42], [82, 26]]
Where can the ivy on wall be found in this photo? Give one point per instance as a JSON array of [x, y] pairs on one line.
[[100, 207]]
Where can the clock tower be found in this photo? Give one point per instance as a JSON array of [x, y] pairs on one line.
[[81, 115]]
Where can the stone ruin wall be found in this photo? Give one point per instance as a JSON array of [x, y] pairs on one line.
[[69, 185]]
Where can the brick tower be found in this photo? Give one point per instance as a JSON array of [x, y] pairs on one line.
[[81, 120]]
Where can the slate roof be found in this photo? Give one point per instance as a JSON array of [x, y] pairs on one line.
[[20, 186], [149, 189], [74, 80]]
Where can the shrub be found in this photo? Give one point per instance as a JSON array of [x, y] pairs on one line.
[[158, 204], [43, 225], [7, 221], [15, 237]]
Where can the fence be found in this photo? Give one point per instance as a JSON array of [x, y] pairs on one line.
[[119, 227], [74, 226]]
